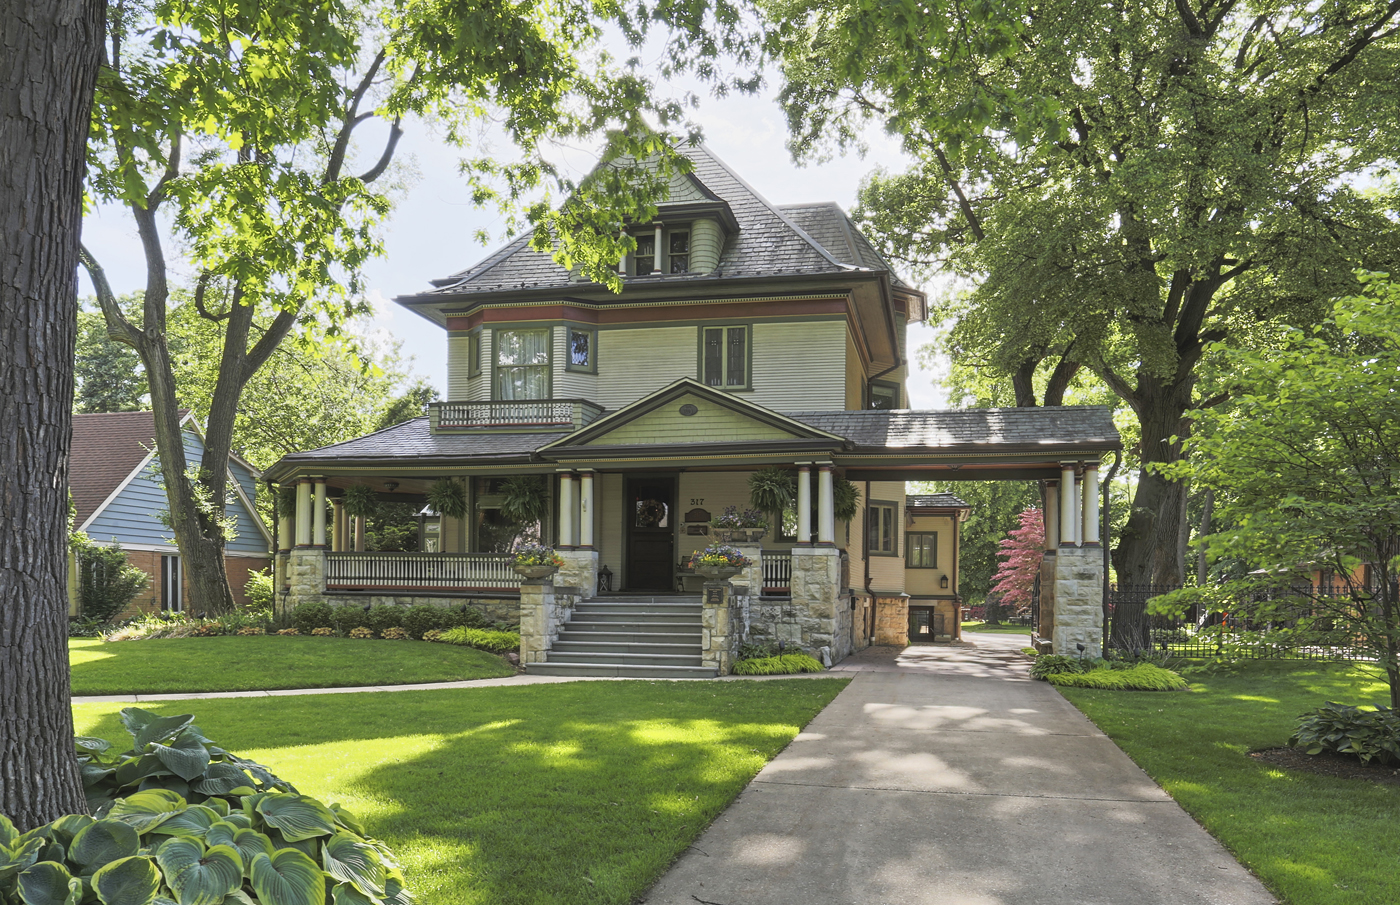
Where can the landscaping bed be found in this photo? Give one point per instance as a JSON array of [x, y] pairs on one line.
[[567, 793], [268, 662], [1315, 837]]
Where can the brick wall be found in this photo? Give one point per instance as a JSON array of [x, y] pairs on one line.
[[148, 561]]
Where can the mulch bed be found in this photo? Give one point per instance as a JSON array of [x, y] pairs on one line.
[[1329, 764]]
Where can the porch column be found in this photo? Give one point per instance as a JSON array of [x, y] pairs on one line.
[[566, 509], [585, 511], [304, 513], [1091, 505], [1067, 510], [285, 525], [1079, 511], [360, 534], [318, 515], [1052, 514], [804, 505], [337, 529], [826, 507]]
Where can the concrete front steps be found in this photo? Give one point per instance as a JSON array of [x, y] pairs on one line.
[[633, 637]]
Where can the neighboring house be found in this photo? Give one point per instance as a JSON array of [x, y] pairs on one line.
[[747, 335], [114, 478]]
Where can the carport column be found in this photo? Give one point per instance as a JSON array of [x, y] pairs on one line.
[[804, 505], [1091, 505], [1078, 601], [566, 510], [1067, 510], [816, 589], [826, 507], [304, 513], [360, 534], [1045, 619], [318, 515]]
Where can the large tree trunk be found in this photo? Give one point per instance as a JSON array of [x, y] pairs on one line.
[[1149, 549], [49, 56]]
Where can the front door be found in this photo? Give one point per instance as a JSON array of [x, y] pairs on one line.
[[924, 624], [651, 533]]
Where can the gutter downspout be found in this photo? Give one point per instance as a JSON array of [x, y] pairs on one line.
[[865, 558]]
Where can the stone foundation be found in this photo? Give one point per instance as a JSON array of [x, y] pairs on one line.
[[505, 611], [892, 621], [721, 625], [1078, 602], [580, 570], [543, 613]]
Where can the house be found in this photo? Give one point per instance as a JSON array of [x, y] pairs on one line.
[[747, 336], [114, 478]]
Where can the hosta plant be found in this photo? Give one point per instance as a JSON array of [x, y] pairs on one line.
[[1365, 734]]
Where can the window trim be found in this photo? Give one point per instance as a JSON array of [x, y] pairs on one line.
[[548, 366], [895, 548], [474, 353], [689, 243], [908, 557], [883, 384], [747, 386], [592, 367]]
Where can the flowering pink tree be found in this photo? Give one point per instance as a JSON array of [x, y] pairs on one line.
[[1022, 551]]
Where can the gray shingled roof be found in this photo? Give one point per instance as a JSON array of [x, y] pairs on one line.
[[413, 440], [839, 235], [936, 501], [1070, 425], [769, 243]]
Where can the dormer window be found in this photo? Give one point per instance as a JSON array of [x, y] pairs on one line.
[[644, 258], [680, 250]]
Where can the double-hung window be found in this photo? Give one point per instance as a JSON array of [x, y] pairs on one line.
[[921, 550], [679, 250], [724, 357], [474, 354], [522, 364], [881, 529], [644, 258]]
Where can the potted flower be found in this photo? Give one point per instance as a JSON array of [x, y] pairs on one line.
[[535, 561], [719, 562], [737, 526]]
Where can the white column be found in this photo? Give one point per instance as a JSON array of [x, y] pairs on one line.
[[1079, 512], [360, 535], [826, 507], [566, 509], [337, 526], [1067, 510], [656, 260], [1052, 514], [285, 527], [804, 505], [585, 511], [318, 515], [304, 514], [1091, 505]]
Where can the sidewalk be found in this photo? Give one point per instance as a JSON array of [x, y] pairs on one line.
[[946, 776]]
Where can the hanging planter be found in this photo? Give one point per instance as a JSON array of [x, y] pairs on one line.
[[846, 499], [525, 499], [287, 501], [359, 501], [447, 498]]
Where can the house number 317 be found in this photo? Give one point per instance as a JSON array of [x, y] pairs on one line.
[[697, 501]]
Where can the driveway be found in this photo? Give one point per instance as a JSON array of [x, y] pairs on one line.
[[946, 775]]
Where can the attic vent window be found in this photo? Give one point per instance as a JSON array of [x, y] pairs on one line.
[[680, 251], [688, 410], [644, 258]]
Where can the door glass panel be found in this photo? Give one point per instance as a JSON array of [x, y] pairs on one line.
[[652, 514]]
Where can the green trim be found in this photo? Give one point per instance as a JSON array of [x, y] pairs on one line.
[[474, 352], [747, 327], [592, 366], [908, 555], [893, 553]]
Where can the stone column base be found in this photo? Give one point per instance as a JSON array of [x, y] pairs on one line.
[[1078, 605], [822, 614], [580, 570], [306, 575], [720, 626], [542, 615]]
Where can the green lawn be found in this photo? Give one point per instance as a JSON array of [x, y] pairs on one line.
[[582, 792], [265, 662], [1000, 629], [1313, 840]]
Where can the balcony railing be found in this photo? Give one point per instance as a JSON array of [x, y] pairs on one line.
[[777, 574], [420, 572], [544, 414]]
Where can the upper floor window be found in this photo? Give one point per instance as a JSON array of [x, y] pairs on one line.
[[474, 354], [644, 258], [522, 364], [679, 251], [881, 529], [724, 357], [884, 395], [582, 345], [921, 550]]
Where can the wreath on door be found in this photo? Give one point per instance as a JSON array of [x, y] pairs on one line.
[[650, 513]]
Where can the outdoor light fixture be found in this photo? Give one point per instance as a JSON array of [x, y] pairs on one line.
[[943, 581], [605, 576], [391, 486], [1080, 645]]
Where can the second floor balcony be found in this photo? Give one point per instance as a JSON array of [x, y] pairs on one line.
[[514, 414]]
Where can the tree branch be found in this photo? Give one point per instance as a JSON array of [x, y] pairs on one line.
[[267, 344], [973, 221], [119, 328], [336, 161], [395, 133]]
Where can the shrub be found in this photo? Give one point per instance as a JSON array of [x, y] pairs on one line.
[[178, 819], [384, 616], [348, 618], [252, 630], [394, 633], [288, 632], [422, 618], [782, 665], [467, 617], [1054, 664], [758, 650], [433, 634], [323, 632], [83, 627], [310, 615], [153, 625], [362, 632], [1140, 677], [1030, 652], [482, 639], [208, 630], [107, 581], [1365, 734], [260, 594]]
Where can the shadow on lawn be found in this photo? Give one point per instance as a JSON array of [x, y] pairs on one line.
[[555, 793]]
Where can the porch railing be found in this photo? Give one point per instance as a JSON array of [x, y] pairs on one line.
[[777, 574], [519, 414], [420, 572]]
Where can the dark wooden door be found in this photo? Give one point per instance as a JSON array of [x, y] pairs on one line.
[[651, 533], [924, 624]]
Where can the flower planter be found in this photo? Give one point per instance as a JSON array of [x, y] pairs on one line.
[[535, 573], [739, 535], [718, 573]]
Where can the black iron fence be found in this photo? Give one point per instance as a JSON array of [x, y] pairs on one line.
[[1291, 630]]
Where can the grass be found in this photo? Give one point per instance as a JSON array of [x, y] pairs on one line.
[[999, 629], [571, 793], [1313, 840], [266, 662]]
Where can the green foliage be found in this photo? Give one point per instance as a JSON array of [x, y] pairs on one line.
[[773, 489], [1055, 664], [107, 581], [845, 499], [107, 375], [447, 497], [1030, 652], [203, 827], [1366, 734], [483, 639], [312, 614], [348, 617], [424, 617], [525, 499], [782, 665], [996, 506], [260, 593], [385, 616], [360, 501], [410, 404], [1138, 677]]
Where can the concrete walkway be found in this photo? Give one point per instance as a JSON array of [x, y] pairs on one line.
[[945, 775]]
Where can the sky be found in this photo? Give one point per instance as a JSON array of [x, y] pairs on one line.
[[431, 231]]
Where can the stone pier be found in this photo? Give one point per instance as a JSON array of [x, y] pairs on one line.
[[542, 614], [721, 626], [1078, 601]]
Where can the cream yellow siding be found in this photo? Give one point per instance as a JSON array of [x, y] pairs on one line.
[[711, 491], [855, 376], [706, 243], [570, 384], [887, 572], [479, 387], [798, 365], [711, 423], [607, 494], [458, 354], [924, 582], [636, 362]]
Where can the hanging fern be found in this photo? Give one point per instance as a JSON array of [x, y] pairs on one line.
[[846, 498], [525, 499], [360, 501], [287, 501], [773, 489], [448, 497]]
